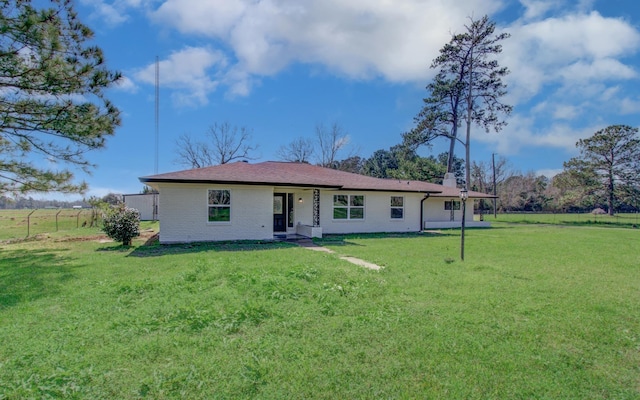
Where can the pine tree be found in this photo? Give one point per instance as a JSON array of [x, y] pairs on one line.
[[611, 157], [52, 105], [468, 87]]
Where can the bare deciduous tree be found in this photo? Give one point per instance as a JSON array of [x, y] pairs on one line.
[[487, 177], [299, 150], [482, 174], [192, 154], [226, 143], [330, 141]]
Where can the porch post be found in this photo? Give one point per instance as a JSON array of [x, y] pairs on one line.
[[316, 207]]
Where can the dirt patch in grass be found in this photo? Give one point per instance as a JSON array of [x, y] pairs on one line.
[[149, 235]]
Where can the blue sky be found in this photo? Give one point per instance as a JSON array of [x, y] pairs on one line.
[[280, 67]]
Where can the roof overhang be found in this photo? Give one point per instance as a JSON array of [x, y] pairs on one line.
[[221, 182], [151, 181]]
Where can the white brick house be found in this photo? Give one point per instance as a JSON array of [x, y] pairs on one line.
[[239, 201]]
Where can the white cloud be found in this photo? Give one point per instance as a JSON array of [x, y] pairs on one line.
[[188, 71], [566, 112], [523, 133], [592, 105], [359, 39], [115, 12], [111, 14], [601, 69], [584, 5], [537, 8], [581, 35], [213, 18], [556, 110], [239, 81], [396, 41], [126, 84], [609, 93], [549, 173], [629, 106], [563, 50]]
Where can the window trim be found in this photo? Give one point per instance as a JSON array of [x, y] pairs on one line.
[[392, 207], [348, 207], [209, 206]]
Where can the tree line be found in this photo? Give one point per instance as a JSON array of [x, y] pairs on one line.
[[604, 175], [28, 202]]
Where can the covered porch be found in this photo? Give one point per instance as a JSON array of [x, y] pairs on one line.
[[442, 212], [296, 213]]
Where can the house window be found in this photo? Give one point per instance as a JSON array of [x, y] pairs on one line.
[[219, 205], [290, 214], [397, 207], [449, 205], [348, 206]]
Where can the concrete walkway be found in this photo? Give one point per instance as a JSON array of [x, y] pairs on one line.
[[308, 244]]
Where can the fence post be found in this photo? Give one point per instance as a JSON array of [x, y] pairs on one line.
[[78, 219], [29, 221], [59, 211]]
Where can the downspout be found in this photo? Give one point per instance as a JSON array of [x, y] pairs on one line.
[[426, 196]]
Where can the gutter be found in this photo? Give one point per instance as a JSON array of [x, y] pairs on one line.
[[426, 196]]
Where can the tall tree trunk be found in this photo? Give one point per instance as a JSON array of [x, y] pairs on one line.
[[610, 194], [452, 146], [467, 143]]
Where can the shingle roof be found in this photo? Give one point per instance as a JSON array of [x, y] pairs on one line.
[[299, 175]]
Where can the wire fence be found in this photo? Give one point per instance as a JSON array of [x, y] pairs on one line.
[[27, 223]]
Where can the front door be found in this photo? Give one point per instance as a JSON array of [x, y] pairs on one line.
[[279, 212]]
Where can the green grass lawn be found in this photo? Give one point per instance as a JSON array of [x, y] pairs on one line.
[[629, 220], [534, 311], [18, 224]]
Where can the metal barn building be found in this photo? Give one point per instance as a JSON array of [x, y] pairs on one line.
[[146, 204]]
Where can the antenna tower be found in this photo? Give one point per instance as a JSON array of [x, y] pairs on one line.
[[157, 112], [157, 134]]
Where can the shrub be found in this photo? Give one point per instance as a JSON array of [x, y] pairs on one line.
[[122, 224]]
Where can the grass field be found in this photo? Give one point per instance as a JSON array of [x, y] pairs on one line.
[[28, 223], [619, 220], [534, 311]]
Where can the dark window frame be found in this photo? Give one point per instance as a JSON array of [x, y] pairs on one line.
[[348, 207], [398, 209], [219, 206]]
